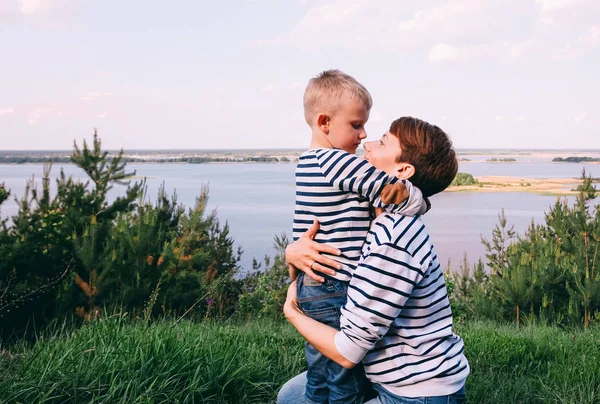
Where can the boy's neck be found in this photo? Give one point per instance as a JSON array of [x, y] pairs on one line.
[[319, 141]]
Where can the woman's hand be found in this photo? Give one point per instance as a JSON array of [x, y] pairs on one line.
[[319, 335], [304, 254]]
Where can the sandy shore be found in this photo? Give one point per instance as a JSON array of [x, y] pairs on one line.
[[553, 186]]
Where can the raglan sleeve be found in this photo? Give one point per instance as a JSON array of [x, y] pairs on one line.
[[377, 293]]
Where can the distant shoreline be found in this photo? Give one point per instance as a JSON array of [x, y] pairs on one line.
[[544, 186], [291, 161], [291, 156]]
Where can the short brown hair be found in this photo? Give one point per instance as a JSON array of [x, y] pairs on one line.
[[429, 149], [325, 93]]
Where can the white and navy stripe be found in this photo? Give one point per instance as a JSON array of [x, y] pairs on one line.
[[397, 319], [337, 188]]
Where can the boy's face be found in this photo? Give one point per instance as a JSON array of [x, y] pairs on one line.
[[383, 153], [347, 126]]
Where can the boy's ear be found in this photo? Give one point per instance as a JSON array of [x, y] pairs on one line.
[[405, 171], [323, 123]]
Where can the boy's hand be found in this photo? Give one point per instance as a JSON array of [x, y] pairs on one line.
[[394, 193]]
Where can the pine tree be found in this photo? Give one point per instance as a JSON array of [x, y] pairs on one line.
[[4, 193], [497, 249]]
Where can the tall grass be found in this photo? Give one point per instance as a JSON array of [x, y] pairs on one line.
[[534, 364], [116, 360]]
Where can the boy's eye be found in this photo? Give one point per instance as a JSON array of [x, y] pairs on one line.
[[356, 125]]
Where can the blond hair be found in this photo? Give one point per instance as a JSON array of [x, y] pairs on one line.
[[326, 92]]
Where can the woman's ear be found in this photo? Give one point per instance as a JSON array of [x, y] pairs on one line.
[[405, 171], [323, 123]]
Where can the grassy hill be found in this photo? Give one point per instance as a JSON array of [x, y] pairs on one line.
[[116, 360]]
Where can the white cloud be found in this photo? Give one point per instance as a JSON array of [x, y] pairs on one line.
[[31, 6], [592, 37], [426, 19], [442, 52], [102, 115], [98, 94], [520, 48], [6, 111], [451, 29], [552, 5], [47, 8], [584, 43], [324, 25], [93, 95], [268, 88], [499, 118], [521, 119], [357, 24], [578, 118], [544, 21], [42, 112]]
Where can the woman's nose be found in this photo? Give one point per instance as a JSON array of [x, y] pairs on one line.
[[367, 146]]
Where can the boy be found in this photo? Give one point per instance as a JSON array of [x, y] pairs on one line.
[[337, 188]]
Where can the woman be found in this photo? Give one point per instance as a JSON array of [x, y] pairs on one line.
[[397, 320]]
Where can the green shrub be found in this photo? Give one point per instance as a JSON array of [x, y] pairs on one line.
[[464, 179], [264, 292], [118, 254]]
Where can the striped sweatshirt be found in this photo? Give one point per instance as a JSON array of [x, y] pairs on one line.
[[337, 188], [397, 319]]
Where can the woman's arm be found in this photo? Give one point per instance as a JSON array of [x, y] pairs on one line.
[[319, 335], [378, 291]]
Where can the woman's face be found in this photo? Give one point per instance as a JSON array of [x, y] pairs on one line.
[[383, 154]]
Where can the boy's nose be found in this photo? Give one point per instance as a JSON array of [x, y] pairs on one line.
[[363, 135]]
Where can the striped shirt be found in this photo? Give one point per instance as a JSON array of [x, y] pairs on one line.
[[337, 188], [397, 319]]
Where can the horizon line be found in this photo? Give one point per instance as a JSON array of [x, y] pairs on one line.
[[294, 149]]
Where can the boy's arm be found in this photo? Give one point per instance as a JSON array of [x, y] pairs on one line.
[[350, 173]]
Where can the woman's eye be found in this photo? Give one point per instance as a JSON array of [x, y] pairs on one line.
[[380, 142]]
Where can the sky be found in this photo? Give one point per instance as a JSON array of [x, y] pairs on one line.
[[230, 74]]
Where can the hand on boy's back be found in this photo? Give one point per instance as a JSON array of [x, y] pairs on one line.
[[394, 193]]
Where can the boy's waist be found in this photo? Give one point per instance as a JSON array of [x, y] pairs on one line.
[[349, 264], [330, 281]]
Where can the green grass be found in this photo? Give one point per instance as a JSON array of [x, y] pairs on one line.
[[536, 364], [116, 360]]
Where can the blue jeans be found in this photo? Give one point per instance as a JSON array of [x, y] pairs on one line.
[[293, 392], [385, 397], [327, 381]]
